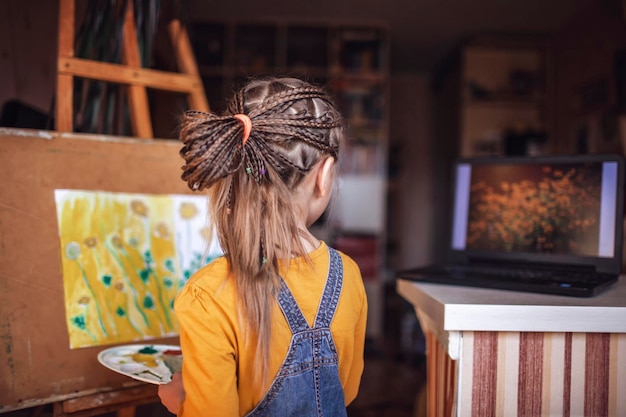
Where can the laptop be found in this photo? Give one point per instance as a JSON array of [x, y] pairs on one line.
[[550, 224]]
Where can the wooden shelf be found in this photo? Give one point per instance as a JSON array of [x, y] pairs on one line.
[[503, 89]]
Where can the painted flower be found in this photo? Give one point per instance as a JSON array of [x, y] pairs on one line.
[[188, 211], [91, 242], [162, 231], [117, 242], [205, 232], [139, 208], [72, 251]]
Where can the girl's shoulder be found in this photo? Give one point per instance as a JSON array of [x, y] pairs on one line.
[[351, 272], [209, 295], [349, 264], [217, 265], [211, 278], [353, 292]]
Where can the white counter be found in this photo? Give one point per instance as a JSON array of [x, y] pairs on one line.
[[505, 353], [456, 308]]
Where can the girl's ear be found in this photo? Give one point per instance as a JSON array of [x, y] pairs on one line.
[[325, 177]]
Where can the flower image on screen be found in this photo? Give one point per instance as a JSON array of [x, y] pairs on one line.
[[535, 208]]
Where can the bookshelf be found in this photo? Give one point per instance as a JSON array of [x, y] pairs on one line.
[[501, 84]]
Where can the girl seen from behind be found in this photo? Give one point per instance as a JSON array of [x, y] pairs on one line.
[[275, 327]]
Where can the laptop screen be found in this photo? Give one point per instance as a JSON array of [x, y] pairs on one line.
[[565, 210]]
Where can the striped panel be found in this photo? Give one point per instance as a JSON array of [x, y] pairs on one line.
[[508, 370], [567, 374], [597, 374], [466, 371], [530, 375], [485, 370], [577, 376], [553, 392], [617, 375]]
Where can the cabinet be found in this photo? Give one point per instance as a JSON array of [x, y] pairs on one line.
[[506, 353], [351, 61], [502, 96]]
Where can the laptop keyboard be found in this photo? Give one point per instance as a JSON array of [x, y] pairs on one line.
[[548, 281], [518, 274]]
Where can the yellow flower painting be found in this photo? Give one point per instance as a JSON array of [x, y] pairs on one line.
[[124, 259]]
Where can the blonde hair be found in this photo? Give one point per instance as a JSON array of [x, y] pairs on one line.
[[251, 182]]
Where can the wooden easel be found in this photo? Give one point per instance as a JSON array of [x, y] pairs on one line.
[[137, 79], [131, 73]]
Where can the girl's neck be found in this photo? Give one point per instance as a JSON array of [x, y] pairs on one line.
[[309, 242], [306, 241]]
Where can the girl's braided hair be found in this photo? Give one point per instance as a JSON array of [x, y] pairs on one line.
[[286, 115], [251, 182]]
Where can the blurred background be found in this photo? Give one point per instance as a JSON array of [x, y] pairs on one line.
[[419, 82]]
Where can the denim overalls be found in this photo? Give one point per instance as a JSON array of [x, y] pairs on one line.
[[307, 384]]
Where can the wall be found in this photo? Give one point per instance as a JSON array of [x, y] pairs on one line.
[[585, 87], [411, 204], [28, 45]]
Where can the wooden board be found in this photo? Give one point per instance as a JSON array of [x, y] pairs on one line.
[[36, 364]]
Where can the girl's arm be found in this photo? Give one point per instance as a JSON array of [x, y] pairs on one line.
[[173, 393], [209, 365]]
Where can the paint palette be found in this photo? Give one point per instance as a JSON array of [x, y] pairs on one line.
[[141, 362]]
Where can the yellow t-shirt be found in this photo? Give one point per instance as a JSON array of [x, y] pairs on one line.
[[218, 365]]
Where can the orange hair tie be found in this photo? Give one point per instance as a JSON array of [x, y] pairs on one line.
[[247, 126]]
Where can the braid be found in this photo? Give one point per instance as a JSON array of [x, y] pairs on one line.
[[210, 145], [212, 150], [289, 96], [274, 124], [255, 163], [279, 161], [236, 104], [295, 130]]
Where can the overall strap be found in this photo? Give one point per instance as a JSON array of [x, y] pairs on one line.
[[290, 308], [328, 303], [332, 290]]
